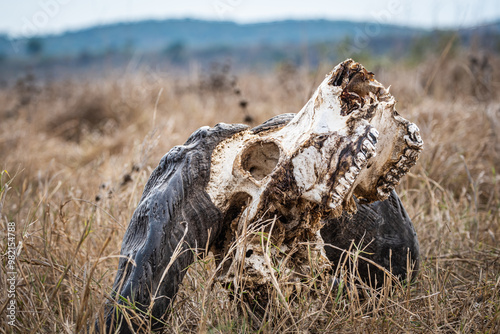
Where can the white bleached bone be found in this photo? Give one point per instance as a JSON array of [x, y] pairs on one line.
[[348, 140]]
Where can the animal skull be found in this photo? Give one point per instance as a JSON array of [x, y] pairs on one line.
[[348, 140]]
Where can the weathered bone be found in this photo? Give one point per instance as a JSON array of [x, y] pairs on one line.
[[296, 171], [383, 231], [347, 140]]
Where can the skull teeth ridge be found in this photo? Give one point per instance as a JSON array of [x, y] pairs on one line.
[[345, 181], [408, 159]]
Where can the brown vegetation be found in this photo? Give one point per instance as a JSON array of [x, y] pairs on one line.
[[75, 157]]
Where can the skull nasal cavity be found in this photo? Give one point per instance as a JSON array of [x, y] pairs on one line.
[[260, 159]]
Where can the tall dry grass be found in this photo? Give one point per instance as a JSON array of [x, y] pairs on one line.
[[76, 155]]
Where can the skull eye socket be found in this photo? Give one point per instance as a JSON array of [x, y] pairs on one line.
[[260, 158]]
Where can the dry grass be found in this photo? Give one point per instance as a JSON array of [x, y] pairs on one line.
[[76, 155]]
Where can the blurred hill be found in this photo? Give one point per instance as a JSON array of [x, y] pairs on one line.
[[154, 36], [183, 41]]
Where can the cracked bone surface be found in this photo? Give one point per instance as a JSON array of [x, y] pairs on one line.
[[348, 140]]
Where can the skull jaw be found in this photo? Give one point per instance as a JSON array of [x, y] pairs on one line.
[[347, 141]]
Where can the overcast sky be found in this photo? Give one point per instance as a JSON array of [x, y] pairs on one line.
[[27, 17]]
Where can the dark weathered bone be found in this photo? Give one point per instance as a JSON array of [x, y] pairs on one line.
[[296, 171], [383, 232]]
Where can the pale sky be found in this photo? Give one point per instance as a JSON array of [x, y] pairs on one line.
[[23, 18]]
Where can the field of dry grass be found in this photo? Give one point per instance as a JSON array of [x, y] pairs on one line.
[[75, 156]]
